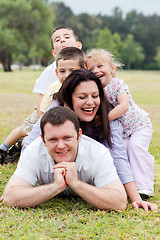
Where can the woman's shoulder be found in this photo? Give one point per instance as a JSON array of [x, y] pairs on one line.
[[88, 144], [115, 125], [55, 103]]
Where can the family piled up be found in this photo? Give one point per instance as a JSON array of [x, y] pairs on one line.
[[86, 137]]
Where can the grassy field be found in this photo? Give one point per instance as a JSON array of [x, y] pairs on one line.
[[73, 218]]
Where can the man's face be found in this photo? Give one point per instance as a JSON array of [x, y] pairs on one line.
[[62, 141], [65, 67], [63, 38]]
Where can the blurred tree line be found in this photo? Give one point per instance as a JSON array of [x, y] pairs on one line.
[[25, 28]]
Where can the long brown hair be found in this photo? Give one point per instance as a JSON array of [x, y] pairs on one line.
[[99, 126]]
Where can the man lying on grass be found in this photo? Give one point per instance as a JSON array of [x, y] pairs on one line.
[[64, 162]]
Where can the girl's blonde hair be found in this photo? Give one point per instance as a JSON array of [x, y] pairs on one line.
[[105, 55]]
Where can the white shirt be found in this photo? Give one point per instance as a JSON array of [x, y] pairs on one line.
[[47, 77], [117, 151], [94, 164]]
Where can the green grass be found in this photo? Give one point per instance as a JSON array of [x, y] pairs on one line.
[[73, 218]]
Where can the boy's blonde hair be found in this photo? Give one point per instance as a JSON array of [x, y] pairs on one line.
[[105, 55], [71, 53]]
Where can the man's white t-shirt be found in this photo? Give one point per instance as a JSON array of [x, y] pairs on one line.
[[94, 164], [47, 77]]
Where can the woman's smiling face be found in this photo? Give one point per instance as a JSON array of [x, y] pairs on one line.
[[86, 100]]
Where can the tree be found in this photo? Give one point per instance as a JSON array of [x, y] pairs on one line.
[[131, 19], [146, 32], [157, 57], [115, 23], [86, 27], [61, 13], [23, 24], [92, 32], [109, 41], [132, 52]]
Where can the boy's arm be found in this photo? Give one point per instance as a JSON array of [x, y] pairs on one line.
[[48, 97], [40, 98], [121, 108], [46, 101]]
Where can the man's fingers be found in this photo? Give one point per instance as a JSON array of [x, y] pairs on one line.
[[60, 165], [61, 170], [63, 165]]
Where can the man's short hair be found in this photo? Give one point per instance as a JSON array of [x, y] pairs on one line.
[[64, 27], [70, 53], [58, 116]]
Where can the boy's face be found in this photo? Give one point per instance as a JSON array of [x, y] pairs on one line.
[[65, 67], [64, 38], [101, 68]]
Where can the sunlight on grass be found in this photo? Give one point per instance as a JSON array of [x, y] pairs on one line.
[[73, 218], [18, 82]]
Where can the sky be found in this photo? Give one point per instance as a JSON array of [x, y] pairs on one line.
[[105, 7]]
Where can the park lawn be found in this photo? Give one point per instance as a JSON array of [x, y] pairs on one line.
[[73, 218]]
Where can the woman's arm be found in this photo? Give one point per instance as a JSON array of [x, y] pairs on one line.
[[123, 167], [136, 199], [119, 154]]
